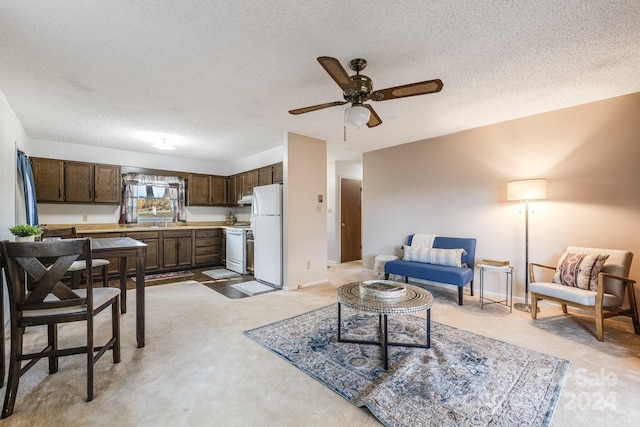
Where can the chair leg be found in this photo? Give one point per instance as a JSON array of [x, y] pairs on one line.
[[75, 279], [15, 366], [105, 276], [471, 283], [459, 295], [534, 305], [90, 358], [599, 324], [52, 336], [564, 308], [115, 325], [634, 308]]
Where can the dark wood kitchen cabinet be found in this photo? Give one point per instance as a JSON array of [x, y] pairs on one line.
[[208, 246], [234, 189], [218, 190], [177, 249], [199, 190], [249, 180], [152, 239], [265, 175], [107, 184], [76, 182], [278, 173], [48, 177]]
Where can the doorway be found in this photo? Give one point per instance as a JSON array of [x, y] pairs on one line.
[[350, 220]]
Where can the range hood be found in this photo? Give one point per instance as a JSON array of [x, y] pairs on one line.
[[247, 199]]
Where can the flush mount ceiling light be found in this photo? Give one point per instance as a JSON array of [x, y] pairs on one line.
[[357, 115], [164, 145]]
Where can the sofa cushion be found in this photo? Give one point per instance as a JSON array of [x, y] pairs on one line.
[[569, 293], [449, 257], [579, 270], [431, 272]]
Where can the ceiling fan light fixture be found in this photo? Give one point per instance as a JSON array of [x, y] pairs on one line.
[[164, 145], [357, 115]]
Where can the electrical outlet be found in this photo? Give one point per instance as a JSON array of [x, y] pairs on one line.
[[308, 265], [85, 218]]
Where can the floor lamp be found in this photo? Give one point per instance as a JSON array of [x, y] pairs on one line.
[[526, 190]]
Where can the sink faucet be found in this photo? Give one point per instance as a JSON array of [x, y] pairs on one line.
[[156, 222]]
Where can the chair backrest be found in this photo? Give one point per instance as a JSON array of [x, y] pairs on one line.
[[34, 271], [618, 263], [63, 233]]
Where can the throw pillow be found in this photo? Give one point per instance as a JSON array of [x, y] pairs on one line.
[[450, 257], [579, 270]]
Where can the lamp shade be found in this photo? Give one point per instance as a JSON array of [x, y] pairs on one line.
[[357, 115], [527, 189]]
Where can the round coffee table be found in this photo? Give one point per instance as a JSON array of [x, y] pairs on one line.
[[414, 300]]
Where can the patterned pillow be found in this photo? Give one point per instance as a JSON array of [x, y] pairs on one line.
[[579, 270], [450, 257]]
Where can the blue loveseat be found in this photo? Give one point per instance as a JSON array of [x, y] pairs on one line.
[[450, 275]]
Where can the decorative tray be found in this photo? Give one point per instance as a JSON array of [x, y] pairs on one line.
[[381, 289]]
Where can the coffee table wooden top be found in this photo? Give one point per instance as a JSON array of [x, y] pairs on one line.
[[415, 299]]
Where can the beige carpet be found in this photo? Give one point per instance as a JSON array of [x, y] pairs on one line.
[[198, 369]]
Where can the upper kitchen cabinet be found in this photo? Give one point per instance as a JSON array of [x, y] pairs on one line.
[[199, 189], [265, 175], [48, 177], [249, 180], [278, 175], [234, 189], [107, 184], [76, 182], [218, 191], [207, 190]]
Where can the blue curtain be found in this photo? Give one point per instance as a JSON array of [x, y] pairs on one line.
[[24, 169]]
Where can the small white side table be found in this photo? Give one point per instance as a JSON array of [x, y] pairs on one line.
[[508, 294]]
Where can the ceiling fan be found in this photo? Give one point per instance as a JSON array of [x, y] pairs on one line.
[[358, 88]]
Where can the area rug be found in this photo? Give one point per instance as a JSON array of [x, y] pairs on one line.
[[463, 379], [221, 273], [253, 288], [163, 276]]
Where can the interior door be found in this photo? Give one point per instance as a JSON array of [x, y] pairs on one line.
[[350, 220]]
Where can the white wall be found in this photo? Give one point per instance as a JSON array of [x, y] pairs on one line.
[[335, 172], [12, 211], [305, 220], [12, 135], [455, 185]]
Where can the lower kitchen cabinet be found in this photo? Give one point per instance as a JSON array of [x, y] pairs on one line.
[[207, 246], [152, 239], [177, 249]]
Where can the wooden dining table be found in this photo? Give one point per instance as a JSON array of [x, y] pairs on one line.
[[123, 248]]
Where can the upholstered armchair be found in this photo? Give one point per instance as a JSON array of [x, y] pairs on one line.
[[591, 279]]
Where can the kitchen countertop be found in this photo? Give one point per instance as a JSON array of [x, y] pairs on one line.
[[120, 228]]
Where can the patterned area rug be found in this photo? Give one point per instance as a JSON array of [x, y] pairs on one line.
[[163, 276], [253, 288], [221, 273], [463, 379]]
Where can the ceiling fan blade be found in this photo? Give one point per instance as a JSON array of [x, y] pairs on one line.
[[316, 107], [337, 72], [374, 120], [413, 89]]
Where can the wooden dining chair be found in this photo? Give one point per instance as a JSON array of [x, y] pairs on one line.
[[78, 267], [37, 296]]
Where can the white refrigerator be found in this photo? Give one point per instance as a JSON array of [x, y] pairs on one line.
[[266, 224]]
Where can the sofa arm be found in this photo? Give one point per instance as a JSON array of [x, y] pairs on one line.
[[532, 272]]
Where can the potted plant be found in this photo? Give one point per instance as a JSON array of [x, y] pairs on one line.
[[25, 232]]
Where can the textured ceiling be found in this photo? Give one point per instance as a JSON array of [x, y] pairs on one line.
[[218, 77]]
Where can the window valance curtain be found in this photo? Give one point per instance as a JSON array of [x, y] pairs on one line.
[[130, 181]]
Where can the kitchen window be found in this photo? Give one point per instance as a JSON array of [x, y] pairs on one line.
[[151, 198]]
